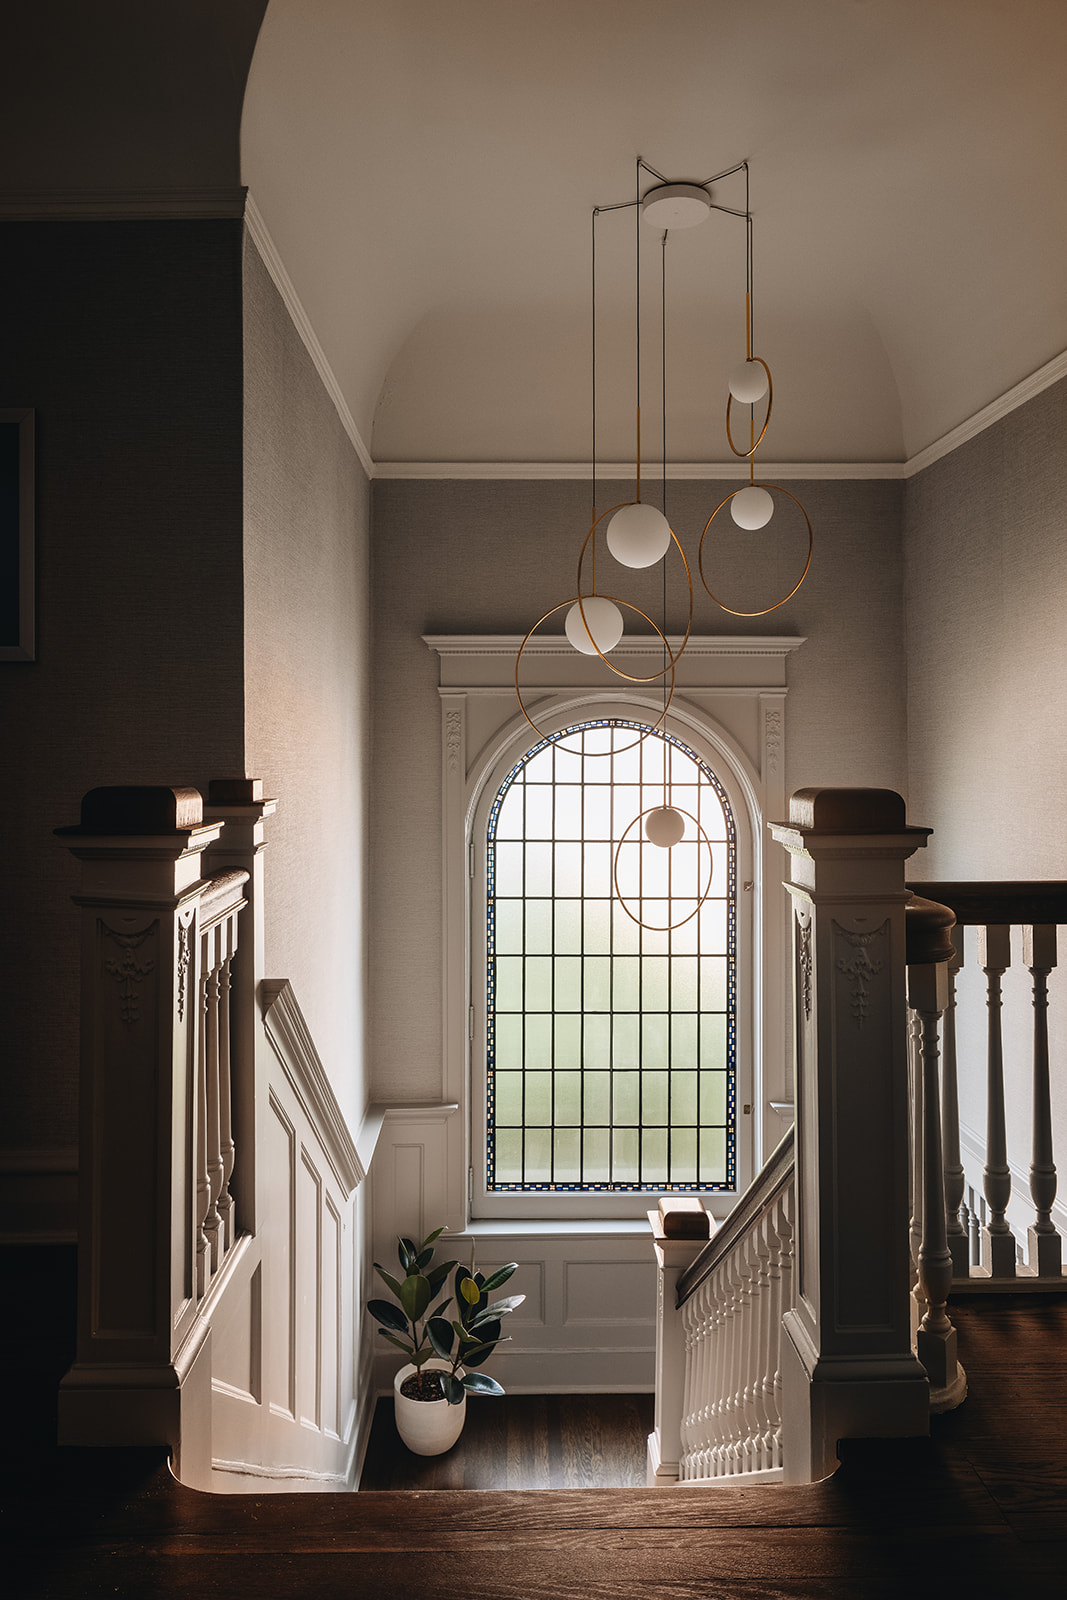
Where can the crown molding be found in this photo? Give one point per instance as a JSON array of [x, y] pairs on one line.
[[149, 205], [268, 252], [620, 471], [447, 645], [1008, 402], [122, 205]]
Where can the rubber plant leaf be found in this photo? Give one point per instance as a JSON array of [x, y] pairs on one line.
[[388, 1315], [439, 1274], [407, 1349], [454, 1389], [501, 1275], [481, 1383], [441, 1336], [431, 1238], [478, 1353], [470, 1291], [407, 1253], [387, 1277], [415, 1296], [500, 1308]]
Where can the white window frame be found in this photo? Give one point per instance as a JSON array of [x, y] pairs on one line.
[[729, 706]]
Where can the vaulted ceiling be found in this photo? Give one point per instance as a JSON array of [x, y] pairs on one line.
[[427, 172]]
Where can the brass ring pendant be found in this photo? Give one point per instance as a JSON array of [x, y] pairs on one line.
[[762, 612], [674, 656], [751, 451], [702, 840], [566, 604]]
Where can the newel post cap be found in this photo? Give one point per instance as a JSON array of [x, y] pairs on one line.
[[823, 819], [848, 811], [117, 810]]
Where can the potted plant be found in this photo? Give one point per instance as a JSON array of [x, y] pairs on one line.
[[431, 1389]]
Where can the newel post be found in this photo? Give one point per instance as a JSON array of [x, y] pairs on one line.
[[679, 1233], [848, 1370], [142, 1363]]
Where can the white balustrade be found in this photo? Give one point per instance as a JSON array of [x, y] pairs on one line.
[[977, 1224], [732, 1419]]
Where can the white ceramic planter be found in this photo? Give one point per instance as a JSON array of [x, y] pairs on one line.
[[427, 1427]]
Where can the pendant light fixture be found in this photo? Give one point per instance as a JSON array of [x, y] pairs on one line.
[[752, 507], [638, 535]]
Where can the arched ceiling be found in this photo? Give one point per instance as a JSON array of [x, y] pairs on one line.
[[427, 172]]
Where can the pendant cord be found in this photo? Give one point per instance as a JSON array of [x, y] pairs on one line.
[[637, 274], [749, 323], [592, 385], [663, 569]]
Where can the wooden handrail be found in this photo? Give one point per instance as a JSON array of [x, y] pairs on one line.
[[225, 893], [981, 904], [928, 929], [775, 1173]]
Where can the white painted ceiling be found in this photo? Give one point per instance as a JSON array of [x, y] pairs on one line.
[[427, 170]]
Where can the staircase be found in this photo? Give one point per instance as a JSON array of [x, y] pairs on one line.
[[980, 1506]]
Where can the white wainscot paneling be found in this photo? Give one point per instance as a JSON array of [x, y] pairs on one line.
[[285, 1411]]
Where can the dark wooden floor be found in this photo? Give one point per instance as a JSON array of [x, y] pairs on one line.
[[977, 1511], [546, 1441]]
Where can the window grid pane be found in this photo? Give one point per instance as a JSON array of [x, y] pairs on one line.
[[611, 1047]]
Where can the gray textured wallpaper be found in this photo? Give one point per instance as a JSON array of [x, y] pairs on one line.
[[307, 561]]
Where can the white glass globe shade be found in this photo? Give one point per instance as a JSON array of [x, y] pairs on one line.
[[751, 508], [639, 535], [603, 620], [748, 382], [664, 826]]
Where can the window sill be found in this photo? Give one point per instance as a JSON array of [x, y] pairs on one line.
[[556, 1228]]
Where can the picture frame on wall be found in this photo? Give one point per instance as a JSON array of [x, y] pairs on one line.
[[17, 535]]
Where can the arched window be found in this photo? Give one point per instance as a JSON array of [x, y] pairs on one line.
[[610, 1060]]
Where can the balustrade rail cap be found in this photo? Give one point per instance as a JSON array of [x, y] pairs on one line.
[[928, 929], [111, 812]]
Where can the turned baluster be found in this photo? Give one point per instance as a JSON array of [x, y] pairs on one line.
[[998, 1241], [1043, 1239], [974, 1231], [731, 1344], [762, 1249], [694, 1319], [915, 1162], [771, 1324], [751, 1430], [226, 1144], [203, 1186], [955, 1181], [213, 1162], [936, 1337], [785, 1227], [742, 1334]]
